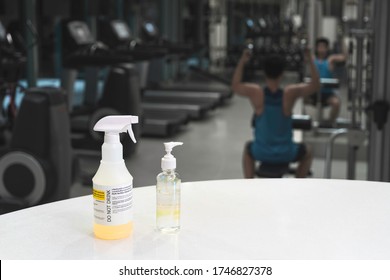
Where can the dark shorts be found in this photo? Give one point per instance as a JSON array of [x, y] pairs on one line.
[[324, 99], [301, 153]]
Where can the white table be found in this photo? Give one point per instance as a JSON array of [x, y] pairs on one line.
[[232, 219]]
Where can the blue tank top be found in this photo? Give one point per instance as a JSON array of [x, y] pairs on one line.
[[324, 72], [273, 131]]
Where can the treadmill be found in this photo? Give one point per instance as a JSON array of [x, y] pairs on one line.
[[117, 35], [150, 36], [82, 51]]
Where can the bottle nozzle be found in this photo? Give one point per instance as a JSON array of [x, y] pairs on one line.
[[169, 161], [117, 124], [131, 133], [112, 126], [170, 145]]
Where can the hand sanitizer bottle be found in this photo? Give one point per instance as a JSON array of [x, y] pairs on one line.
[[168, 193], [112, 183]]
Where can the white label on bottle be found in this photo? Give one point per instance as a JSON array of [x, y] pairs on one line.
[[112, 205]]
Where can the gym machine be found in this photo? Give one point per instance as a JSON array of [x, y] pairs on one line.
[[160, 121], [379, 148], [80, 51], [270, 36], [36, 164], [206, 89], [117, 35], [11, 62], [174, 95], [319, 125], [357, 94]]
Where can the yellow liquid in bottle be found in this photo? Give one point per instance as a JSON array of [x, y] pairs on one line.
[[113, 232], [168, 201]]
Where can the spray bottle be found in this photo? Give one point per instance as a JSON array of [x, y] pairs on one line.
[[168, 193], [112, 183]]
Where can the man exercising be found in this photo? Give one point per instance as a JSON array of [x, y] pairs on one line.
[[273, 108], [325, 64]]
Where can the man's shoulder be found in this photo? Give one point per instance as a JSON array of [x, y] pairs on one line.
[[256, 86], [288, 89]]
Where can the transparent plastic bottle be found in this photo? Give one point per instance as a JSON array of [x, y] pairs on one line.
[[168, 201], [168, 193]]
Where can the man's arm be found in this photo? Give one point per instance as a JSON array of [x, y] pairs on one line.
[[337, 58], [303, 89], [244, 89]]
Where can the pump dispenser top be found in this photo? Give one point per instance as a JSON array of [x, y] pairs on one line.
[[169, 161], [112, 149]]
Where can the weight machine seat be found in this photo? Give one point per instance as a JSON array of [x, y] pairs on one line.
[[276, 170], [302, 122], [272, 170], [326, 82]]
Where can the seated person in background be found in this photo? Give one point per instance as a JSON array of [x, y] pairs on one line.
[[325, 65], [273, 107]]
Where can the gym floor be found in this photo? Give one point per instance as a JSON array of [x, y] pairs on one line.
[[213, 149]]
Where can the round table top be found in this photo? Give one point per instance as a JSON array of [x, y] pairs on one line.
[[227, 219]]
